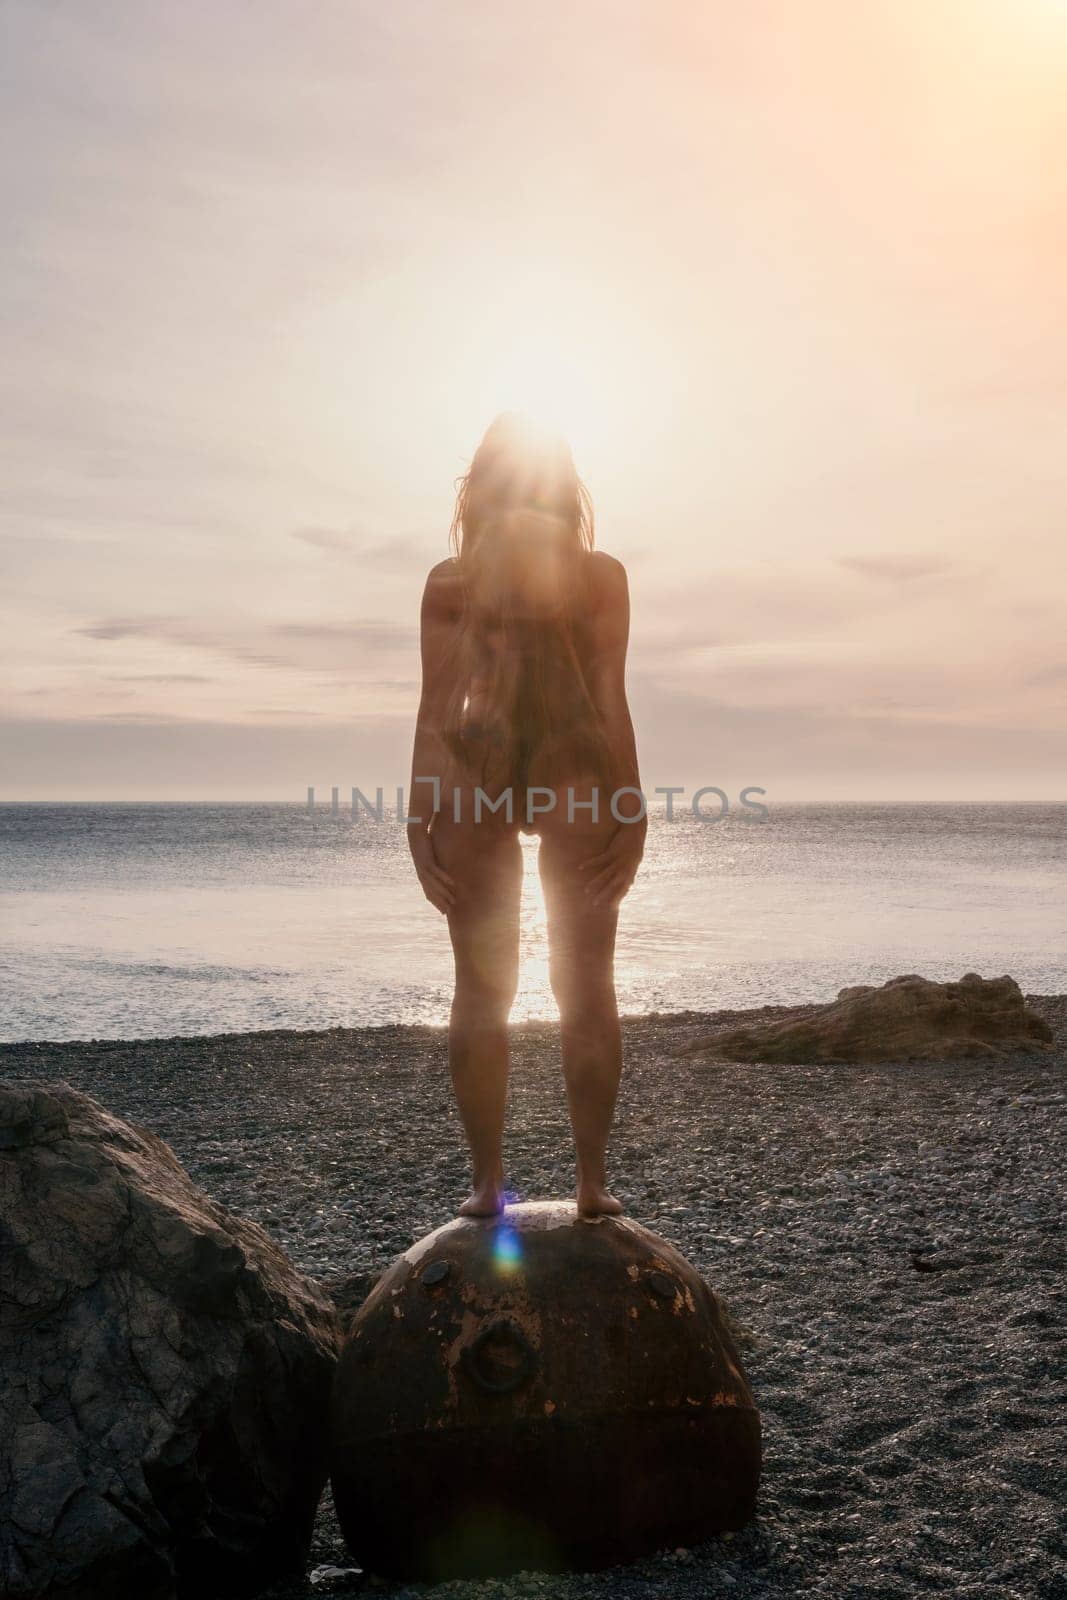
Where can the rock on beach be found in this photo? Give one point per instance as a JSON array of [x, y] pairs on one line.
[[908, 1018], [166, 1369]]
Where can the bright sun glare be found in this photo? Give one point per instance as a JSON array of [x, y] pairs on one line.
[[550, 384], [574, 351], [570, 360]]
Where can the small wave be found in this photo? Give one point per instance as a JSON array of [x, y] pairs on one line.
[[193, 973]]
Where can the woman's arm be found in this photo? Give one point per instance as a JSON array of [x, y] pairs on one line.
[[613, 871], [429, 756]]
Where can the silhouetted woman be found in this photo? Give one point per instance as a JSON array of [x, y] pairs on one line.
[[523, 708]]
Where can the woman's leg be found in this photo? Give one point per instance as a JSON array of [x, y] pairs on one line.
[[484, 860], [581, 942]]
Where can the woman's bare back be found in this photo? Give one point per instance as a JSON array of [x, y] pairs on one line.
[[566, 754]]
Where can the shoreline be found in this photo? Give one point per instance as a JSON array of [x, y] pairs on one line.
[[737, 1016], [887, 1238]]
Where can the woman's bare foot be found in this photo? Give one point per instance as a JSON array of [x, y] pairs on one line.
[[487, 1200], [595, 1201]]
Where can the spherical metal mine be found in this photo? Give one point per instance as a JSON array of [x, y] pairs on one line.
[[538, 1391]]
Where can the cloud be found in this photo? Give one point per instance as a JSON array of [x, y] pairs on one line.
[[358, 548], [764, 602], [146, 719], [371, 632], [1047, 675], [280, 711], [792, 753], [119, 629], [162, 677], [326, 539], [894, 569], [173, 758], [311, 647]]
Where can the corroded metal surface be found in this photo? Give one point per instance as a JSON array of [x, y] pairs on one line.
[[539, 1391]]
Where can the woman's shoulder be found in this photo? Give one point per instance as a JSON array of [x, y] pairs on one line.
[[608, 575], [446, 569], [443, 576], [443, 594], [609, 566]]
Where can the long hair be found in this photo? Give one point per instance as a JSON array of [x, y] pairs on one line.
[[522, 527]]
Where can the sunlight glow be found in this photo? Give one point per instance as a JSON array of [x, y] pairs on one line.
[[561, 349], [570, 344], [535, 1001], [539, 375]]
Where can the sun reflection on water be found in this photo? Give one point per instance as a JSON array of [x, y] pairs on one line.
[[534, 1001]]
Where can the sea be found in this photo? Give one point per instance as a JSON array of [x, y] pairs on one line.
[[126, 921]]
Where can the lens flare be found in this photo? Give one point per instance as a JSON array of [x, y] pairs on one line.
[[507, 1249]]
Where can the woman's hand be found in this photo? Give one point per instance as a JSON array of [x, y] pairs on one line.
[[437, 886], [612, 872]]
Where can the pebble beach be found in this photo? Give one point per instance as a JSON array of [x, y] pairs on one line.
[[887, 1238]]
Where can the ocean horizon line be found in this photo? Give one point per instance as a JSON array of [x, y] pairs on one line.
[[324, 805]]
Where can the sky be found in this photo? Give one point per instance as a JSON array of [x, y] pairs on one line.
[[790, 276]]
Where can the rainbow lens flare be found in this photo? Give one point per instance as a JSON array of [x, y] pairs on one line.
[[507, 1249]]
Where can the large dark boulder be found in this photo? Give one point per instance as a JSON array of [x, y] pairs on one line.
[[165, 1369], [539, 1391]]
